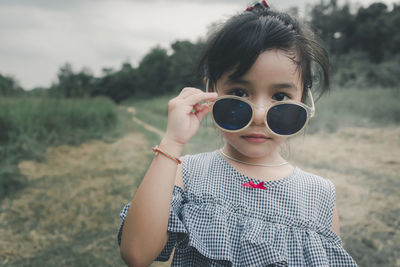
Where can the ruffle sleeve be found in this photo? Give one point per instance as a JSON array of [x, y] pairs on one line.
[[176, 228], [220, 231], [122, 216]]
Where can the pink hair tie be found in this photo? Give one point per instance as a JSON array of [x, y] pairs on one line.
[[250, 8], [265, 4]]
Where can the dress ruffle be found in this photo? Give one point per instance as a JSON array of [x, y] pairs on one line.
[[200, 222]]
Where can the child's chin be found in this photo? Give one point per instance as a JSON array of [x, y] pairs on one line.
[[256, 154]]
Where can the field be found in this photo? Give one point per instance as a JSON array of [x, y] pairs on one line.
[[31, 124], [67, 212]]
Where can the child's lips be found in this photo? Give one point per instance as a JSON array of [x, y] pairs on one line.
[[256, 138]]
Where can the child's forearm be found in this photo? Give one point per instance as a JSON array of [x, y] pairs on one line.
[[145, 229]]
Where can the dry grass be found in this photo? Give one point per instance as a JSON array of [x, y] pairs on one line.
[[72, 203]]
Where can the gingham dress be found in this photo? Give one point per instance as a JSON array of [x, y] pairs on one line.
[[216, 221]]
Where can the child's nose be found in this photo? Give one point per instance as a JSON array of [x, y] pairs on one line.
[[259, 113]]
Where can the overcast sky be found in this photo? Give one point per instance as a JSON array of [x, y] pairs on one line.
[[37, 37]]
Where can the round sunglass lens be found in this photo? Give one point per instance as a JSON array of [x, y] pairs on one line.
[[231, 113], [286, 119]]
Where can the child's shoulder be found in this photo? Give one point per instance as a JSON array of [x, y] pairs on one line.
[[315, 182], [313, 177], [201, 155], [200, 158], [197, 168]]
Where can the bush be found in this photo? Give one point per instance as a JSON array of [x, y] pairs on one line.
[[355, 70], [359, 107]]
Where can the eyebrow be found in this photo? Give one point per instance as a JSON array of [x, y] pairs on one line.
[[284, 86], [273, 86], [239, 81]]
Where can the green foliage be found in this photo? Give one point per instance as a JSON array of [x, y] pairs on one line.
[[359, 107], [355, 70], [117, 85], [9, 87], [373, 30], [153, 72], [29, 125], [183, 61], [153, 111], [364, 45], [158, 73], [73, 85], [329, 20]]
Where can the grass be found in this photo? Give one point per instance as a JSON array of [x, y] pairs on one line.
[[153, 111], [30, 125], [370, 107], [67, 213], [69, 207]]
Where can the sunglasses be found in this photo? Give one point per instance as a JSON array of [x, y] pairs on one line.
[[283, 118]]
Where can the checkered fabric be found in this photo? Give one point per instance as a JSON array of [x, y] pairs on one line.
[[216, 221]]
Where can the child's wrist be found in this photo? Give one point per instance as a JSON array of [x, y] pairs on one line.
[[171, 146]]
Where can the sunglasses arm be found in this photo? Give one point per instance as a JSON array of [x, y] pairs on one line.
[[207, 85], [312, 113]]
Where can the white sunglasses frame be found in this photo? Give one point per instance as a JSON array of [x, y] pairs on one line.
[[309, 110]]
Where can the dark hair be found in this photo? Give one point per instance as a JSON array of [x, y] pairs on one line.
[[238, 43]]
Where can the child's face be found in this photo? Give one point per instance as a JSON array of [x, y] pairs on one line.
[[273, 77]]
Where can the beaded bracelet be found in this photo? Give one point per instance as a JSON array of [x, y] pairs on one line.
[[156, 149]]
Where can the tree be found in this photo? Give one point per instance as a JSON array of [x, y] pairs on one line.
[[182, 64], [9, 86], [118, 85], [153, 72], [334, 25], [72, 84], [372, 30]]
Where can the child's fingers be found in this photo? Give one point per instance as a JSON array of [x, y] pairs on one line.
[[196, 98], [203, 110], [187, 91], [197, 107]]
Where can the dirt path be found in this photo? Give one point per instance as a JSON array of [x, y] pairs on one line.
[[144, 124], [74, 196]]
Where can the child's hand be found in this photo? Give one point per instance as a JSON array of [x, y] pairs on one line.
[[185, 114]]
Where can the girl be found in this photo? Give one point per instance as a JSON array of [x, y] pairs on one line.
[[242, 205]]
